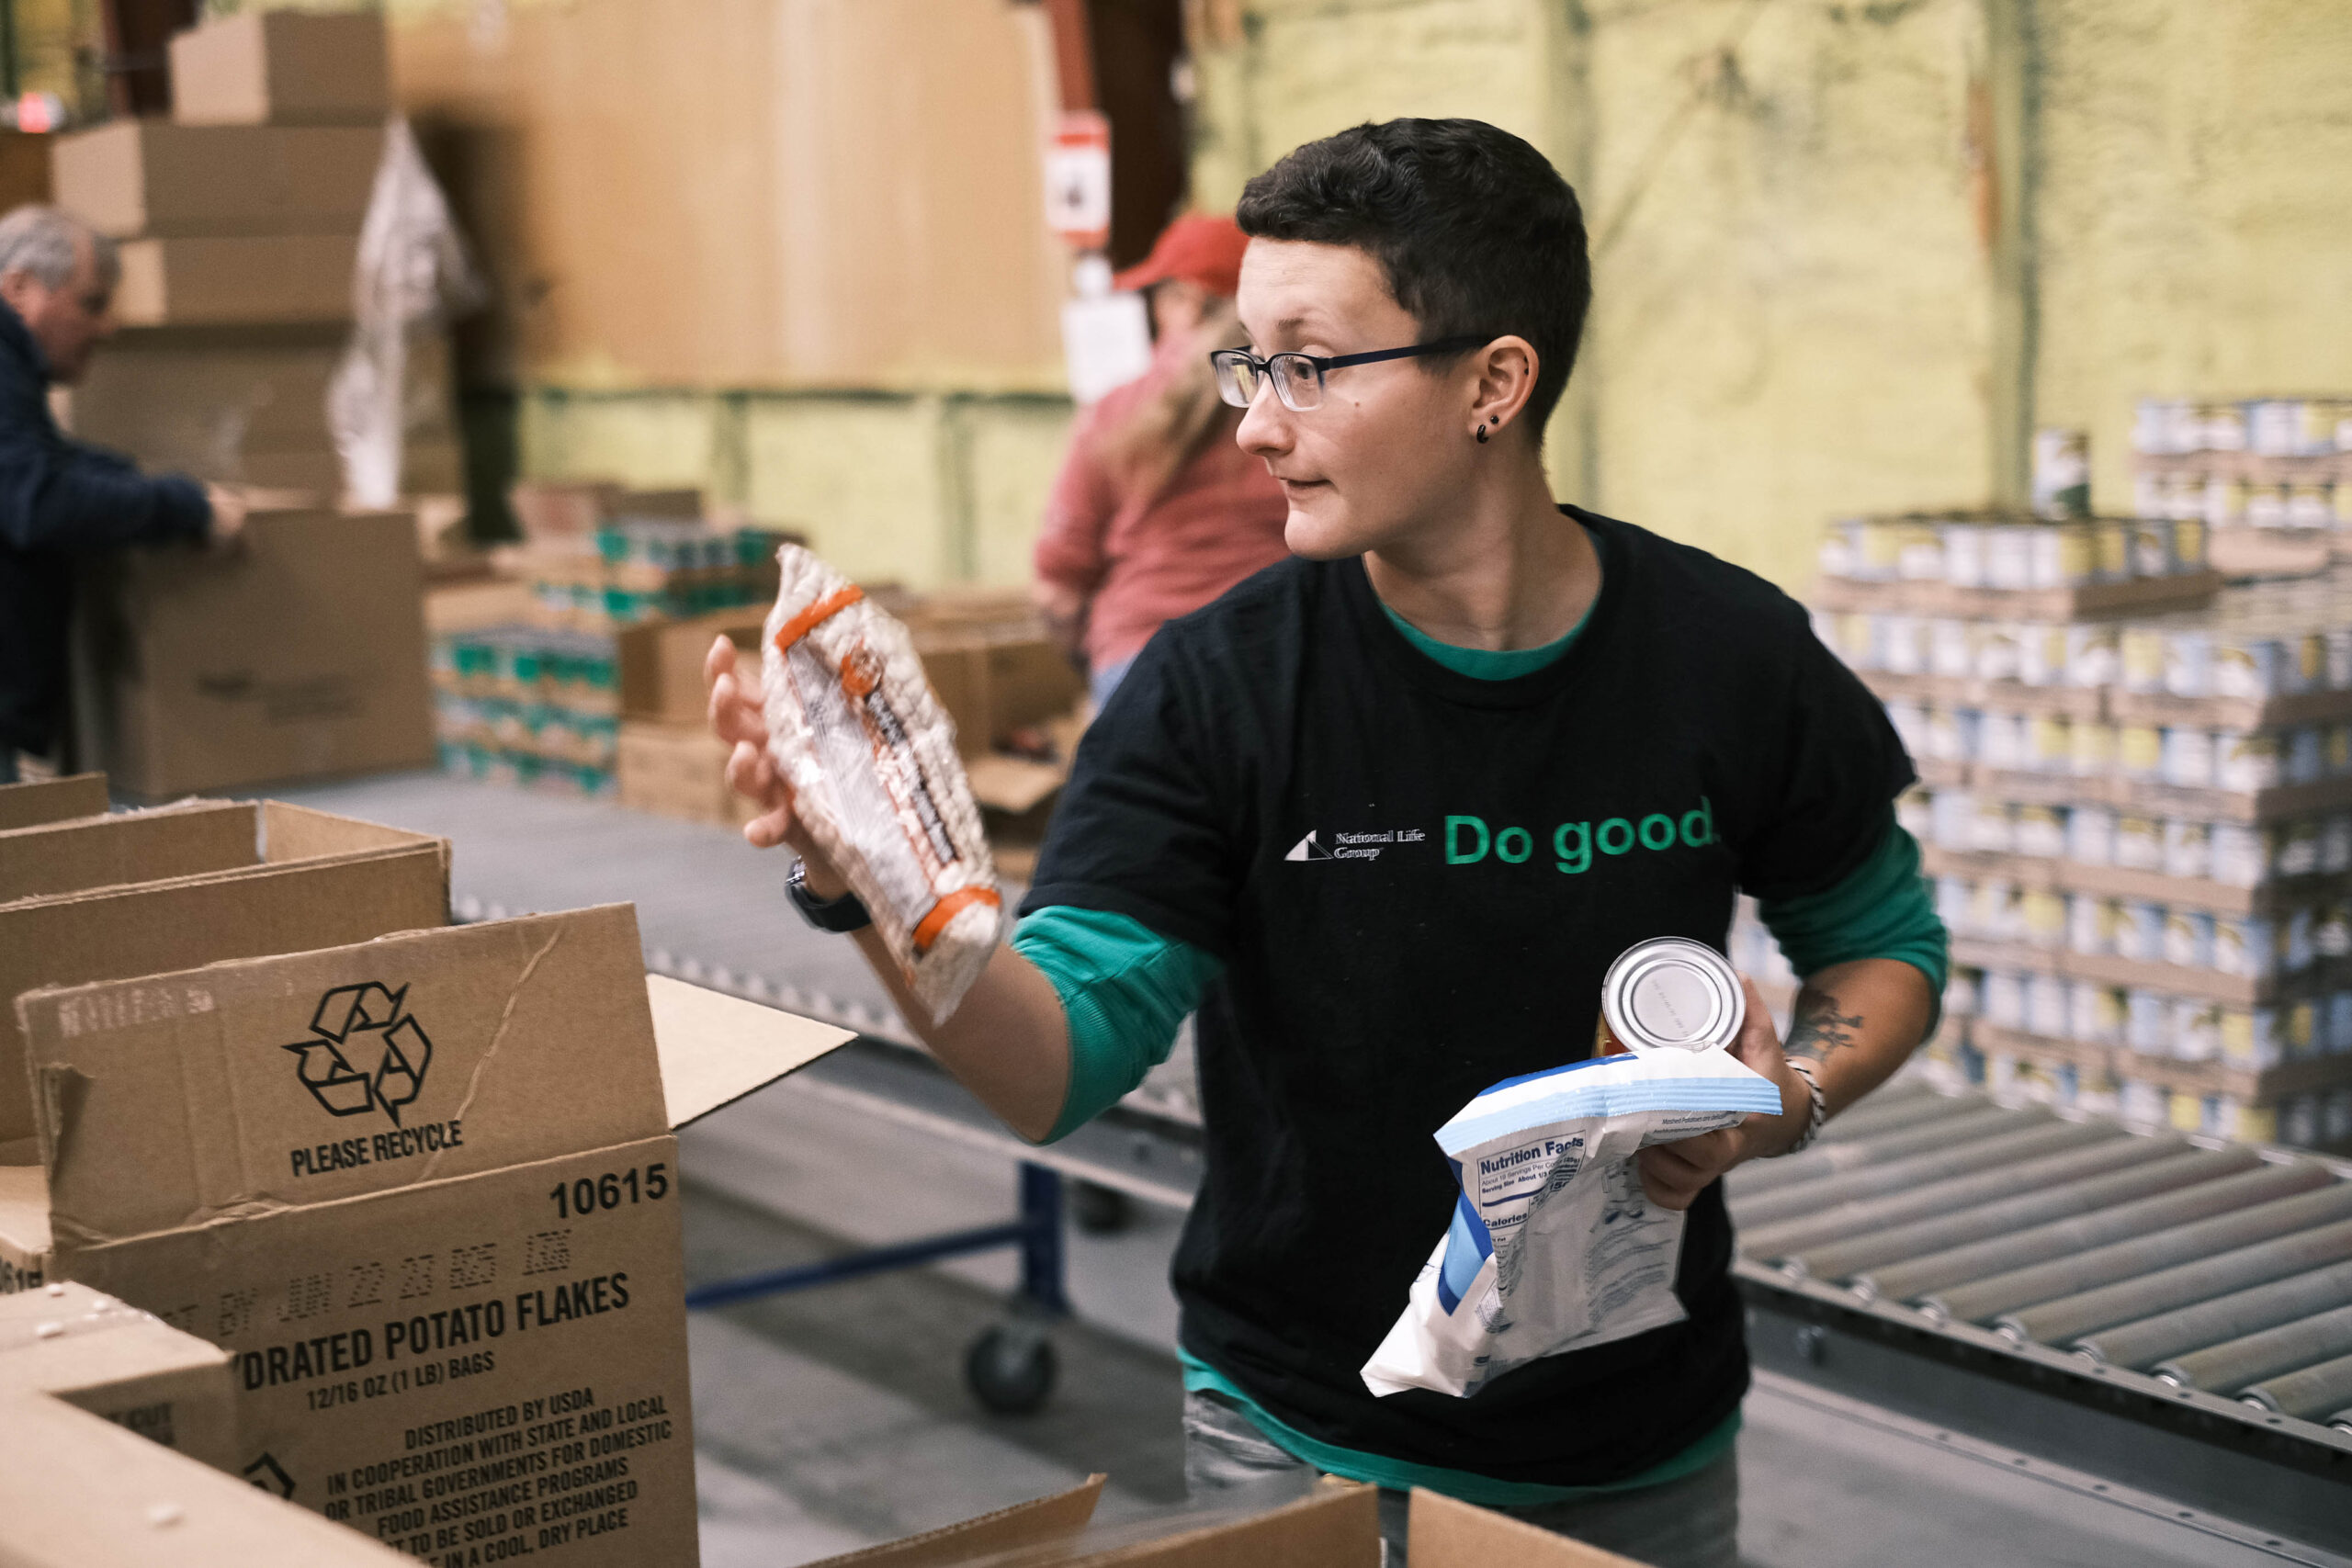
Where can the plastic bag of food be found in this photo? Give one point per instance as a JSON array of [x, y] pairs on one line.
[[1555, 1246], [870, 755]]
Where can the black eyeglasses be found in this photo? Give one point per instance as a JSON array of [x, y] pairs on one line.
[[1298, 378]]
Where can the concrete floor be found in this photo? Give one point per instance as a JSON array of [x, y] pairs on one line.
[[836, 1417]]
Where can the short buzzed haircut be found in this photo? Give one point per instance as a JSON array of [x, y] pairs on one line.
[[40, 239], [1478, 234]]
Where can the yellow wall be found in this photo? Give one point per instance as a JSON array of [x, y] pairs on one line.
[[1848, 253], [2194, 212]]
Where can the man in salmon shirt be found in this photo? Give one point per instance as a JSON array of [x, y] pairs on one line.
[[1156, 510]]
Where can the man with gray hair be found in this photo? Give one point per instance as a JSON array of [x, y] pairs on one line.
[[58, 497]]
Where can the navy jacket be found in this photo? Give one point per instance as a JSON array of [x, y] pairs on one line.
[[58, 498]]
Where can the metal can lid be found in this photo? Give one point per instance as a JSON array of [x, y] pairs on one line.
[[1671, 994]]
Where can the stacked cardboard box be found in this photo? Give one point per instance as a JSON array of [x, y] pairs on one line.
[[417, 1182], [2139, 819], [1015, 698], [76, 1492], [302, 654], [239, 222]]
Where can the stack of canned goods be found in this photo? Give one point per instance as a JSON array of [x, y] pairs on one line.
[[533, 705], [2139, 830], [2010, 550], [2264, 463]]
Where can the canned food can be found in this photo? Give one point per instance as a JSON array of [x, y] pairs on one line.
[[2301, 849], [2038, 831], [2188, 848], [1952, 649], [2090, 835], [2062, 476], [2138, 843], [2090, 748], [2188, 663], [2003, 999], [1670, 994], [2046, 1006], [2141, 659], [2196, 1030], [1964, 555]]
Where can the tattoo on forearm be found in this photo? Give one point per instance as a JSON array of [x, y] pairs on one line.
[[1820, 1030]]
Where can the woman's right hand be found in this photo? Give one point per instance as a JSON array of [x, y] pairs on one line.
[[737, 717]]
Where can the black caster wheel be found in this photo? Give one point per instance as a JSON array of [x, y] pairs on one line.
[[1099, 1210], [1010, 1371]]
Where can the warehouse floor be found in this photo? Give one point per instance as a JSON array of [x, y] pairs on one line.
[[836, 1417]]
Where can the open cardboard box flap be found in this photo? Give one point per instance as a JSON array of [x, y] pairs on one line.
[[1337, 1526], [715, 1048], [433, 1054], [1024, 1525], [52, 800], [188, 838]]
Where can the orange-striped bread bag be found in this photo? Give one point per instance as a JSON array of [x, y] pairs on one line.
[[871, 758]]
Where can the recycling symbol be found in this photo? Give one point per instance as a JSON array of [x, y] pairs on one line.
[[265, 1473], [364, 1052]]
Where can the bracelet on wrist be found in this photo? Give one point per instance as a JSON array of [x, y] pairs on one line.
[[1818, 1111]]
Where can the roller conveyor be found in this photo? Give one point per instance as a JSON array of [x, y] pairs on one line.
[[1870, 1217], [1962, 1158], [2288, 1347], [2215, 1286], [2315, 1393], [2156, 1171], [1987, 1300], [1884, 1262], [2059, 1246]]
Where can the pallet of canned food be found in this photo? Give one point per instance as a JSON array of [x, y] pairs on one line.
[[2139, 820], [534, 698], [2271, 478]]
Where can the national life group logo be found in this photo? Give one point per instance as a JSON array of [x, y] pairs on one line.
[[366, 1052]]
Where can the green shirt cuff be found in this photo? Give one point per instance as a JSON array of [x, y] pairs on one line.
[[1123, 988], [1885, 909]]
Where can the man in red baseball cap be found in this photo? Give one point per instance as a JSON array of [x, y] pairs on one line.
[[1157, 510]]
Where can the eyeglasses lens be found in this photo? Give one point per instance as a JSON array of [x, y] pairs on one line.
[[1297, 380], [1237, 380]]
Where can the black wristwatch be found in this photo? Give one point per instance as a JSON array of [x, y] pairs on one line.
[[847, 913]]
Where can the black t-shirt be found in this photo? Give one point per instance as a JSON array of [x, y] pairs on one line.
[[1415, 879]]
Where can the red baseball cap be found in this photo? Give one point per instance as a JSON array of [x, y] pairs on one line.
[[1201, 248]]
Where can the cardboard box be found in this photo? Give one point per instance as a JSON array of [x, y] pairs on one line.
[[209, 400], [992, 684], [319, 879], [425, 1190], [51, 800], [167, 841], [661, 665], [678, 769], [97, 1354], [302, 655], [139, 177], [1337, 1528], [279, 67], [76, 1492], [1024, 1526], [236, 279]]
